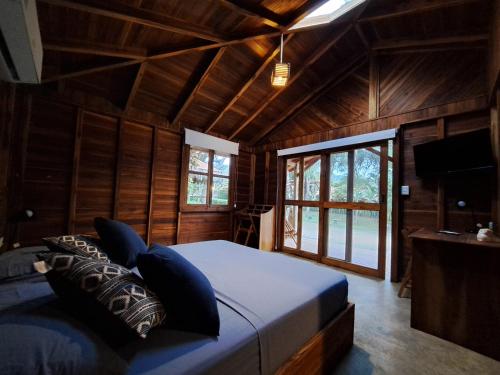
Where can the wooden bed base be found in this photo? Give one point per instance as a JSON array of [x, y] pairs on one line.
[[321, 353]]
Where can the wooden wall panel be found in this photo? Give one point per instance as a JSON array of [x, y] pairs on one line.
[[48, 169], [244, 179], [260, 183], [204, 227], [96, 171], [414, 81], [494, 51], [80, 164], [272, 179], [136, 147], [421, 208], [166, 188], [7, 100]]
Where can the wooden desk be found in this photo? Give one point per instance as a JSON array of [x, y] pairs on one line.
[[456, 290]]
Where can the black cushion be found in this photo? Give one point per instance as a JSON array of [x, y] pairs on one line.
[[185, 292], [121, 242], [89, 284], [77, 244]]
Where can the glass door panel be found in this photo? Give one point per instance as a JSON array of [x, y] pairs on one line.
[[338, 177], [312, 175], [310, 229], [353, 225], [292, 179], [337, 235], [365, 232], [366, 175], [291, 230]]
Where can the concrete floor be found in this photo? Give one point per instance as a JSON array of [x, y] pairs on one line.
[[384, 343]]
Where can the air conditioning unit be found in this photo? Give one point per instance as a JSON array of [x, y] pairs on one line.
[[20, 42]]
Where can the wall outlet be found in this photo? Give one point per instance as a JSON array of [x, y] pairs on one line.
[[405, 190], [16, 245]]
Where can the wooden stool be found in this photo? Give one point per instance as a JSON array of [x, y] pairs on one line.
[[406, 282]]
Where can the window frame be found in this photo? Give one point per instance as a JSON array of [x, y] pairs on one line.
[[208, 206]]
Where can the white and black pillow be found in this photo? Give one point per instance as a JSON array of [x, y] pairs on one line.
[[77, 244], [121, 292]]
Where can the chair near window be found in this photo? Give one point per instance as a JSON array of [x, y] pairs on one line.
[[290, 231]]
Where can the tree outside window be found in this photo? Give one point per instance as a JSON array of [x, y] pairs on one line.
[[208, 178]]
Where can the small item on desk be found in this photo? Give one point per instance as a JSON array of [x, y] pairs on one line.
[[487, 235], [449, 232]]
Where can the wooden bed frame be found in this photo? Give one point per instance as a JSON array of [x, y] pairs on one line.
[[322, 352]]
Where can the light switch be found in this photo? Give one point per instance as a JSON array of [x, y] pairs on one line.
[[405, 190]]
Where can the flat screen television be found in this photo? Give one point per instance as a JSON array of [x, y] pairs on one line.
[[459, 153]]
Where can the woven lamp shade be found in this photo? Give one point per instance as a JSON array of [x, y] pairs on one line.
[[280, 74]]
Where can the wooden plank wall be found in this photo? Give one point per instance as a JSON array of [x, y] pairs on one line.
[[244, 183], [412, 91], [78, 164], [494, 51], [433, 206], [7, 101], [94, 190]]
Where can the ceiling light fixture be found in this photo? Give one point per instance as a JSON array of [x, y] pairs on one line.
[[281, 70]]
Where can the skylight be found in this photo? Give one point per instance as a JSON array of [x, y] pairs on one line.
[[328, 12]]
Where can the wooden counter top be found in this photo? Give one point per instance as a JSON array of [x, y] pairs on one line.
[[465, 238], [455, 291]]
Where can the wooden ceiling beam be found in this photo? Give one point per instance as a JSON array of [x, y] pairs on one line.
[[109, 50], [127, 28], [251, 10], [311, 97], [310, 60], [268, 59], [135, 86], [414, 43], [139, 16], [362, 36], [412, 7], [420, 50], [197, 80], [163, 55], [97, 69]]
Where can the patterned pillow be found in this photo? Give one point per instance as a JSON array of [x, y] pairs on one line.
[[77, 244], [122, 292]]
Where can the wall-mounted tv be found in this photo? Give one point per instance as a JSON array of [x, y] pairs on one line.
[[459, 153]]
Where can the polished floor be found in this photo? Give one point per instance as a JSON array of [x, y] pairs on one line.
[[384, 343]]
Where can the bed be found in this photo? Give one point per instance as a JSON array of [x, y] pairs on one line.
[[278, 315]]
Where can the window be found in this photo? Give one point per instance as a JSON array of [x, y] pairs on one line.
[[208, 180], [328, 12]]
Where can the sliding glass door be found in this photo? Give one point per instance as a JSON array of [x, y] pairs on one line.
[[335, 207]]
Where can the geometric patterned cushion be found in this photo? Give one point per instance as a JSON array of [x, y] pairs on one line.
[[76, 244], [122, 292]]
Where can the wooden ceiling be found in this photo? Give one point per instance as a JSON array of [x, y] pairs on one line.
[[206, 64]]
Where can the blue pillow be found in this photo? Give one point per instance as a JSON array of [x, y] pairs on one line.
[[121, 243], [186, 293]]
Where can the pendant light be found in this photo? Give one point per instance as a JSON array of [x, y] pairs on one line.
[[281, 70]]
